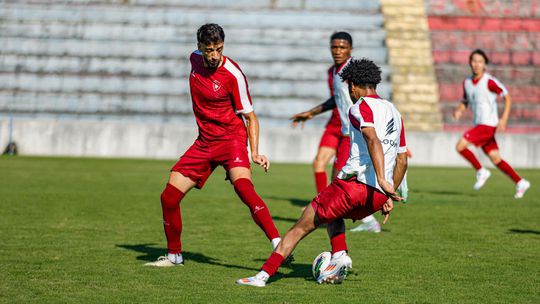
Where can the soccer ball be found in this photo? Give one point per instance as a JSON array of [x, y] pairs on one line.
[[320, 263]]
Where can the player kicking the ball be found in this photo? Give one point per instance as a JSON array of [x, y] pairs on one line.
[[367, 182], [480, 91], [341, 46], [221, 102]]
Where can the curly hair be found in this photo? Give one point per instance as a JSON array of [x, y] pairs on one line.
[[210, 33], [363, 72]]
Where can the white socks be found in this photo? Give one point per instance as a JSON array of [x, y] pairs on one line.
[[369, 219], [275, 242], [262, 275], [175, 258]]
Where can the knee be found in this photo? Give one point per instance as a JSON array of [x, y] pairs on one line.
[[495, 159], [318, 164], [170, 197]]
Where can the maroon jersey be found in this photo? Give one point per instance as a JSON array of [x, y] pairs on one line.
[[219, 96]]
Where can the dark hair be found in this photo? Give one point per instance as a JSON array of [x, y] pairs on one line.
[[210, 33], [363, 72], [479, 52], [341, 35]]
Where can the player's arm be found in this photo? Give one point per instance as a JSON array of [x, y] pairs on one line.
[[462, 106], [377, 158], [329, 104], [401, 160], [506, 113], [253, 134], [400, 169]]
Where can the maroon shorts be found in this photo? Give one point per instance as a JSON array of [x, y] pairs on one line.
[[203, 157], [482, 136], [330, 137], [342, 153], [349, 199]]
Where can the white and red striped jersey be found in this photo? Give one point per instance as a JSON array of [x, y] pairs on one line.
[[219, 96], [342, 97], [373, 111], [481, 94]]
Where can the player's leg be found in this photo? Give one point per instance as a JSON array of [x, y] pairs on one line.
[[482, 174], [243, 186], [304, 226], [323, 157], [522, 185], [191, 170], [175, 190]]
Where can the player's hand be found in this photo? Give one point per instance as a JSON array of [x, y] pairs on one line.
[[501, 127], [386, 208], [301, 118], [457, 114], [389, 190], [262, 161]]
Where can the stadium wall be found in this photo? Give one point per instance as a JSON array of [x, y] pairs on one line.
[[168, 141]]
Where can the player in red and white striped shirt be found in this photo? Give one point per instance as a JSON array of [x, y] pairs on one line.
[[221, 102], [480, 91]]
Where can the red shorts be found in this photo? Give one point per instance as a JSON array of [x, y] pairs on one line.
[[349, 199], [330, 137], [482, 136], [343, 152], [203, 157]]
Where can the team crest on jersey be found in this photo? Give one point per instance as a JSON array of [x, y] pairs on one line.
[[216, 85]]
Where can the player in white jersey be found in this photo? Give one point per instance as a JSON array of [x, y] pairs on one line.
[[341, 47], [375, 167], [480, 91]]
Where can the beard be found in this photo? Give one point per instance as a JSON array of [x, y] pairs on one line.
[[210, 64]]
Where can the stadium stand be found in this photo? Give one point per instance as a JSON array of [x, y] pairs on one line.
[[509, 31], [129, 59]]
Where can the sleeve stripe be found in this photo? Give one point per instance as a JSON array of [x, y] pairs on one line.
[[242, 87], [503, 89]]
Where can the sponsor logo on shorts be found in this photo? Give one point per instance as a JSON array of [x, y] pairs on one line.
[[237, 160]]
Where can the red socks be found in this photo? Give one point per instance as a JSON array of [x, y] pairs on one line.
[[320, 181], [273, 263], [259, 211], [172, 220], [505, 167], [468, 155], [338, 243]]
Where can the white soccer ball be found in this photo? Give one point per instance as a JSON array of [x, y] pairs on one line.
[[320, 263]]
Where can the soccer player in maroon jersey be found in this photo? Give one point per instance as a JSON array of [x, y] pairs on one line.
[[221, 103], [480, 91], [366, 184]]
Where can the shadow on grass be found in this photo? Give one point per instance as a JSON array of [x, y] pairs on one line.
[[285, 219], [524, 231], [439, 192], [151, 253], [294, 201]]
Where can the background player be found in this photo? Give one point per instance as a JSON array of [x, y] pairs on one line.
[[220, 95], [376, 164], [480, 91], [341, 46]]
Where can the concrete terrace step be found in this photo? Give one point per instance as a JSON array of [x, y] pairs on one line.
[[156, 85], [126, 49], [190, 17], [349, 5], [172, 34], [165, 68]]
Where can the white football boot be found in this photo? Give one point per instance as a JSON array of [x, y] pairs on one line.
[[259, 280], [337, 270], [370, 224], [169, 260], [521, 187], [482, 176]]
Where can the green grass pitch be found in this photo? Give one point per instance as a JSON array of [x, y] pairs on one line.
[[79, 231]]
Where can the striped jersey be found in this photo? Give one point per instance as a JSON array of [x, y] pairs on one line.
[[373, 111]]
